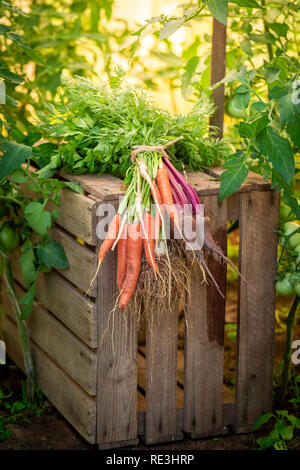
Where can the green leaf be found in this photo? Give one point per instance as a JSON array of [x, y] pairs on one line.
[[288, 194], [219, 9], [278, 91], [258, 106], [290, 116], [280, 29], [37, 217], [191, 51], [13, 157], [74, 186], [235, 174], [246, 3], [287, 432], [251, 129], [27, 259], [294, 421], [52, 255], [245, 45], [42, 153], [241, 100], [272, 74], [279, 152], [266, 442], [26, 302], [19, 176], [170, 27], [10, 76], [187, 77]]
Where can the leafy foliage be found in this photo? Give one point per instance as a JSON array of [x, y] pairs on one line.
[[285, 428], [100, 127]]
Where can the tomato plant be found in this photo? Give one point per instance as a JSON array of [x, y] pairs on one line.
[[285, 287], [9, 238]]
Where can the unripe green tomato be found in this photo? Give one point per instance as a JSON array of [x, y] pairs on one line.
[[290, 227], [297, 288], [9, 238], [234, 111], [284, 287], [285, 212]]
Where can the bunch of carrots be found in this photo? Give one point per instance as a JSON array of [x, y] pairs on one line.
[[152, 181]]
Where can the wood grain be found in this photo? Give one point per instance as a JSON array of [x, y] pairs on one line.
[[82, 261], [204, 338], [117, 364], [70, 354], [70, 399], [60, 297], [77, 215], [105, 187], [161, 369], [256, 314]]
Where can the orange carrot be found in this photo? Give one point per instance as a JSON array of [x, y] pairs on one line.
[[157, 222], [112, 234], [122, 258], [150, 243], [134, 253], [166, 194]]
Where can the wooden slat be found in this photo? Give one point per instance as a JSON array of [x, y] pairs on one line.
[[253, 182], [233, 207], [204, 184], [82, 261], [161, 367], [58, 343], [77, 215], [117, 367], [218, 58], [228, 395], [258, 250], [70, 399], [142, 378], [73, 309], [228, 419], [204, 337], [105, 187], [77, 212]]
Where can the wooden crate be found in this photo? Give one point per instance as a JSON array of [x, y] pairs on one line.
[[115, 392]]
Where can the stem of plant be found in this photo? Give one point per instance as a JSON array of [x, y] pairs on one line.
[[287, 355], [22, 327]]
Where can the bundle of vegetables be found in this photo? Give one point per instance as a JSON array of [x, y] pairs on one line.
[[120, 131]]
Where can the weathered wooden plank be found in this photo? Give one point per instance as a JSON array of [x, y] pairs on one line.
[[161, 369], [204, 184], [82, 261], [228, 419], [258, 250], [77, 212], [228, 395], [233, 207], [73, 309], [77, 215], [253, 182], [70, 399], [105, 187], [204, 337], [70, 354], [117, 366], [218, 58], [142, 377]]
